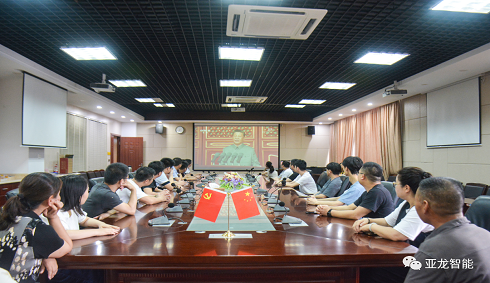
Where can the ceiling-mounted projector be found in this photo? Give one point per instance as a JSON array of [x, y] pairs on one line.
[[395, 90], [103, 86]]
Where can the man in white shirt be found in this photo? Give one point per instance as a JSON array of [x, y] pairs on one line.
[[163, 181], [144, 177], [304, 180], [286, 171]]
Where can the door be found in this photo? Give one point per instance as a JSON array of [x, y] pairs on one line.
[[131, 152], [115, 148]]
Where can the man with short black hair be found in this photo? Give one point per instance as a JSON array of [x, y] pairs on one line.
[[174, 176], [332, 186], [456, 251], [144, 177], [163, 181], [351, 166], [286, 171], [305, 181], [158, 167], [375, 202], [103, 197]]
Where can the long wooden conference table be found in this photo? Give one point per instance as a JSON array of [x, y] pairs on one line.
[[327, 250]]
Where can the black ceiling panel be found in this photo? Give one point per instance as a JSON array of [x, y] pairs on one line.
[[172, 46]]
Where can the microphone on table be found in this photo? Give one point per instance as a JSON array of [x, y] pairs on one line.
[[216, 155], [286, 219], [172, 208], [162, 220]]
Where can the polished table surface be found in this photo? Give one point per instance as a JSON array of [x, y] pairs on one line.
[[325, 245]]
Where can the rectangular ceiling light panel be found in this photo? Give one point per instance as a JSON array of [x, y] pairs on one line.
[[231, 105], [294, 106], [148, 100], [232, 53], [311, 101], [128, 83], [89, 53], [473, 6], [381, 58], [272, 22], [333, 85], [235, 83]]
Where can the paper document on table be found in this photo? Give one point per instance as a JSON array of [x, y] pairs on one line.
[[299, 224]]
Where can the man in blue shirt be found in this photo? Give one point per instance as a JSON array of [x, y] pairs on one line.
[[351, 166], [332, 186]]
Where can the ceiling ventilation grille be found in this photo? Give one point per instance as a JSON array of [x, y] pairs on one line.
[[246, 99], [272, 22]]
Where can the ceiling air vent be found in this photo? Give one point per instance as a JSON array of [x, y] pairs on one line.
[[245, 99], [272, 22]]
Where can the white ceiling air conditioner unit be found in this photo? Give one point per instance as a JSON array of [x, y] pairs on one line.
[[272, 22], [246, 99]]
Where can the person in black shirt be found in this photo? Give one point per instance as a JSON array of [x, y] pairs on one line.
[[376, 202]]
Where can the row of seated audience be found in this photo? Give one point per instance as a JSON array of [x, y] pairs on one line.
[[429, 217]]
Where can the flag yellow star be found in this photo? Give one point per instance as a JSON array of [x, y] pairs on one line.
[[247, 194]]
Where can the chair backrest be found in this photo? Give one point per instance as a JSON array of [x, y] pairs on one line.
[[12, 193], [91, 175], [392, 179], [315, 170], [391, 188], [345, 186], [94, 181], [474, 190], [131, 175], [322, 179], [98, 173], [479, 212]]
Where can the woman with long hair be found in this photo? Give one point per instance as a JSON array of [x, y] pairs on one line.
[[269, 172], [74, 193], [25, 239]]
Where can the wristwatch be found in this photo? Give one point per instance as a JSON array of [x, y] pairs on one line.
[[329, 213]]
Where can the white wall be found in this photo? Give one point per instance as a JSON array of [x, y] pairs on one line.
[[128, 130], [13, 158], [466, 164], [296, 143]]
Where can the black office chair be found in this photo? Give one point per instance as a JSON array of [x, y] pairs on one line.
[[479, 212], [391, 178], [94, 181], [344, 187], [322, 180], [12, 193], [391, 188], [474, 190]]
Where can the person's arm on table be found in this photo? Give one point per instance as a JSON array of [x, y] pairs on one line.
[[152, 199], [348, 212], [130, 207], [365, 221]]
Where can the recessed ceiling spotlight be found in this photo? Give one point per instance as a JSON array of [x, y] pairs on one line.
[[329, 118], [99, 107], [320, 123], [235, 83], [112, 112], [294, 106], [354, 110], [311, 101], [340, 114], [158, 104], [127, 83], [159, 122], [123, 117], [89, 53], [335, 85], [381, 58], [474, 6], [131, 120], [252, 54], [370, 104]]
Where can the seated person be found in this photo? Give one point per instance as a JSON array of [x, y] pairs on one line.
[[304, 180], [143, 177], [439, 202], [269, 174], [286, 171], [157, 166], [403, 224], [103, 197], [182, 173], [163, 181], [332, 186], [74, 194], [375, 202], [174, 175], [21, 227], [351, 166]]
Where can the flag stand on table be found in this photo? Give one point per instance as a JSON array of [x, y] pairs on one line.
[[228, 234]]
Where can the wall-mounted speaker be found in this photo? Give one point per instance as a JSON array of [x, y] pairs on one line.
[[311, 130], [159, 129]]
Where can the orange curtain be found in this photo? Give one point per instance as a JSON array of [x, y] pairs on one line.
[[391, 140], [367, 136], [341, 143], [373, 135]]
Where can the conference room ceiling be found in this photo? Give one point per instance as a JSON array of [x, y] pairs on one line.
[[172, 46]]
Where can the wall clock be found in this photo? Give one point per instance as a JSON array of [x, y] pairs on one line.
[[179, 130]]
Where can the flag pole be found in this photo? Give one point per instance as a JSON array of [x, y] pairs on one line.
[[228, 234]]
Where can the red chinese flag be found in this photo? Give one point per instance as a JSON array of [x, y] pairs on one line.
[[245, 203], [210, 204]]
